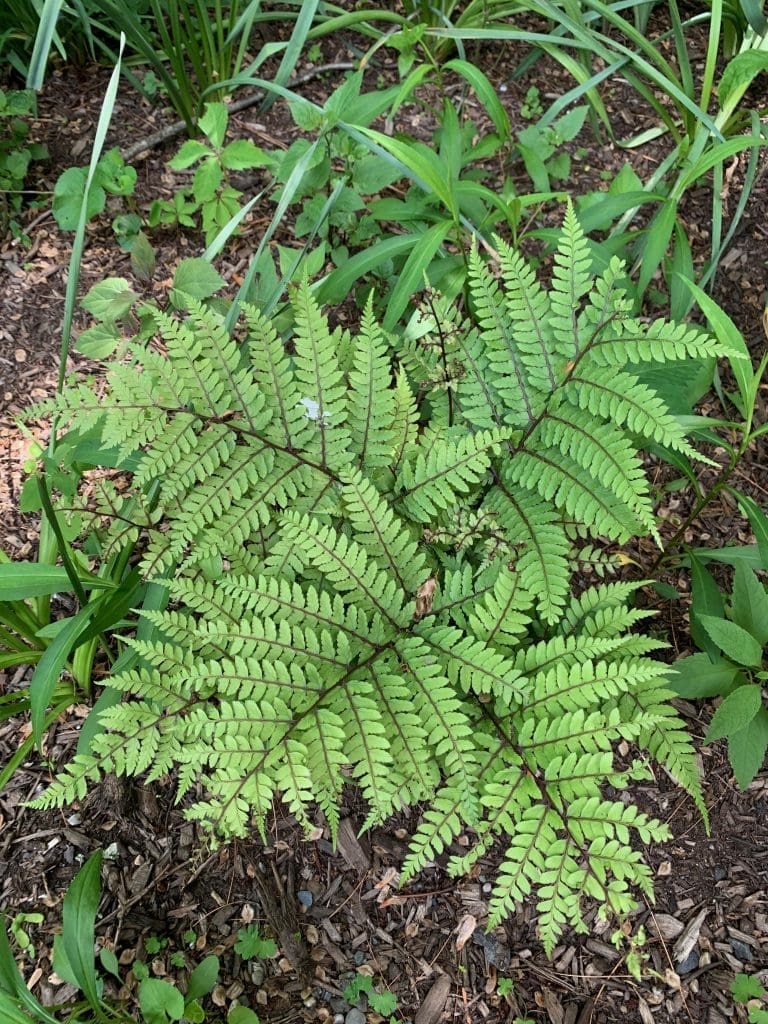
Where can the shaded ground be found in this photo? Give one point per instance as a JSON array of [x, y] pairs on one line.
[[335, 913]]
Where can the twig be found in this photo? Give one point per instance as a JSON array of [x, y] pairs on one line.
[[143, 146]]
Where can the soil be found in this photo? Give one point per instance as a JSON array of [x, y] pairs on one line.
[[336, 912]]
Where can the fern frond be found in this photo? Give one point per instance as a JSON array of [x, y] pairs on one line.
[[371, 398], [571, 281]]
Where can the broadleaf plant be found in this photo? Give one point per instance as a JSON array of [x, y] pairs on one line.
[[367, 541]]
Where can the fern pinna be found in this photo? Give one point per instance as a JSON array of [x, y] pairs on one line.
[[367, 544]]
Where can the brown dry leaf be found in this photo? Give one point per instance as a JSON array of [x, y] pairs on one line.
[[465, 931], [425, 595]]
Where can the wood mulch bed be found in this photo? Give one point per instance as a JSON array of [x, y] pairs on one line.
[[336, 912]]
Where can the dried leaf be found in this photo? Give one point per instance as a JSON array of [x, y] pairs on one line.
[[464, 932]]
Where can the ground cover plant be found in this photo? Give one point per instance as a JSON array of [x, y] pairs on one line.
[[326, 545]]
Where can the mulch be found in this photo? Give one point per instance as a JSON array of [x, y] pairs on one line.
[[336, 912]]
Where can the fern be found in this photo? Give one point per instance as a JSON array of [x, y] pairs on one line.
[[373, 544]]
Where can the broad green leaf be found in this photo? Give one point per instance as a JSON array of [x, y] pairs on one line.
[[697, 676], [160, 1001], [198, 278], [190, 153], [78, 920], [656, 242], [207, 180], [21, 580], [745, 987], [706, 600], [48, 670], [746, 748], [758, 521], [750, 603], [411, 277], [242, 1015], [203, 978], [735, 713], [727, 333], [68, 195], [241, 154], [736, 643], [99, 341], [485, 93], [739, 73], [142, 257], [110, 300], [213, 123]]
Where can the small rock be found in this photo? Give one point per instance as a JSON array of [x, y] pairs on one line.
[[740, 950], [690, 963], [720, 874], [305, 898], [355, 1016], [338, 1018], [257, 972], [359, 957]]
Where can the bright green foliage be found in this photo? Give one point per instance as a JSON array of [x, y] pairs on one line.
[[735, 672], [365, 588]]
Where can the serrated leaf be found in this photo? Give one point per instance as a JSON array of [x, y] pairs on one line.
[[745, 987], [736, 643], [735, 713], [747, 747], [197, 277], [110, 300], [207, 180], [750, 603], [213, 123], [190, 153], [98, 342], [242, 154]]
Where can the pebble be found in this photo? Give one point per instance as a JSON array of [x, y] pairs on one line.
[[359, 957], [720, 874], [690, 963], [338, 1018], [305, 898], [740, 950], [355, 1016]]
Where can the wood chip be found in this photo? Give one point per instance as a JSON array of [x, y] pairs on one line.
[[464, 932], [431, 1010], [664, 926], [350, 848], [689, 937]]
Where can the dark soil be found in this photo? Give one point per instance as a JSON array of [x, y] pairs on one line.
[[333, 913]]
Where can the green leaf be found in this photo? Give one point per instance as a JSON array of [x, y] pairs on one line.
[[747, 747], [735, 713], [48, 670], [250, 944], [110, 300], [109, 962], [745, 987], [142, 257], [750, 603], [698, 676], [213, 123], [739, 73], [68, 195], [656, 243], [411, 277], [207, 180], [736, 643], [160, 1001], [190, 153], [197, 277], [242, 1015], [78, 920], [241, 154], [22, 580], [757, 520], [203, 979], [485, 93], [707, 600]]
